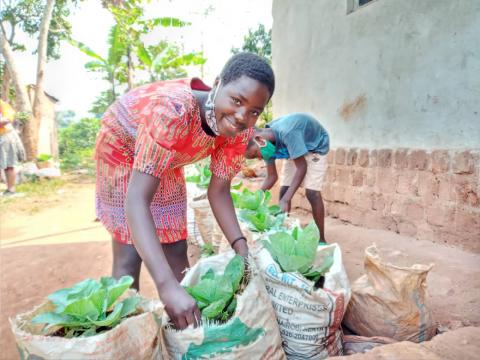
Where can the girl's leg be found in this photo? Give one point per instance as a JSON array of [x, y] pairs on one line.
[[126, 261], [283, 190], [10, 177], [176, 254]]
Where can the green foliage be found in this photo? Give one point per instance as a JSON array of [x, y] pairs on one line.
[[296, 251], [44, 157], [255, 210], [215, 293], [89, 307], [77, 143], [101, 103], [202, 175], [64, 118], [207, 249], [258, 41], [26, 15]]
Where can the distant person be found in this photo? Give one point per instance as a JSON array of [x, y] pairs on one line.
[[11, 147], [300, 139], [147, 136]]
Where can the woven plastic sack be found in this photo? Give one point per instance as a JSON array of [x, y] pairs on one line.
[[390, 300], [251, 333], [309, 318], [136, 337]]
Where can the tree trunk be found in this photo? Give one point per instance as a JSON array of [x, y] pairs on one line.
[[22, 104], [5, 83]]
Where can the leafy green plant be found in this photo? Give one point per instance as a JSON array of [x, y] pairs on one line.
[[207, 249], [295, 251], [89, 307], [44, 157], [215, 294], [256, 211], [201, 177]]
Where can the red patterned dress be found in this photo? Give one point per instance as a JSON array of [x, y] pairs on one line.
[[156, 129]]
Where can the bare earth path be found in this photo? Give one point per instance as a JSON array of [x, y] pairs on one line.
[[55, 242]]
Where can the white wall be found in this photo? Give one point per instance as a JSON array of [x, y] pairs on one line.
[[413, 67]]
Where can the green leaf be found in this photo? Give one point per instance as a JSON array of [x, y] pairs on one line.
[[111, 318], [214, 309], [54, 319], [237, 186], [86, 50], [116, 288], [210, 274], [143, 55], [235, 270]]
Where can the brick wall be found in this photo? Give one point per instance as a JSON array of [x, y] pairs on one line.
[[430, 195]]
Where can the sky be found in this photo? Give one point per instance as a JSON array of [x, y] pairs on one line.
[[224, 27]]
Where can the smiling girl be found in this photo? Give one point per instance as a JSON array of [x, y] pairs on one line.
[[147, 136]]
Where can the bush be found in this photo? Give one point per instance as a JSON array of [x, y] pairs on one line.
[[77, 144]]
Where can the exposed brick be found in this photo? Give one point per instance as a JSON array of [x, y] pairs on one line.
[[363, 157], [466, 187], [340, 155], [339, 193], [352, 215], [378, 202], [440, 161], [463, 163], [364, 200], [331, 157], [327, 192], [407, 228], [441, 215], [446, 190], [330, 174], [428, 187], [386, 180], [371, 177], [418, 160], [400, 158], [413, 210], [342, 176], [352, 156], [385, 158], [357, 177], [407, 183], [425, 232], [467, 221], [373, 158]]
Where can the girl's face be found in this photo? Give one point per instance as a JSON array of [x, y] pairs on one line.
[[238, 105]]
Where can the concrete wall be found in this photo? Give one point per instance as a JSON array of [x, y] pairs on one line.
[[397, 85], [390, 74]]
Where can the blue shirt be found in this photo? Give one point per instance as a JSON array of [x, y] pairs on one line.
[[296, 135]]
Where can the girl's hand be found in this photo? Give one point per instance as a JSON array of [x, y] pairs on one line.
[[285, 206], [180, 306]]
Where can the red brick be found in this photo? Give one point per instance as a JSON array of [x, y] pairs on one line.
[[406, 228], [407, 183], [371, 177], [352, 156], [378, 202], [440, 161], [466, 187], [400, 158], [373, 158], [357, 177], [340, 155], [327, 192], [428, 187], [342, 176], [363, 158], [441, 216], [446, 190], [463, 163], [364, 200], [467, 221], [413, 210], [418, 160], [385, 158], [331, 157], [330, 174], [386, 180], [339, 193]]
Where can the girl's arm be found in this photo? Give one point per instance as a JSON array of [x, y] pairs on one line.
[[271, 178], [222, 207], [180, 306]]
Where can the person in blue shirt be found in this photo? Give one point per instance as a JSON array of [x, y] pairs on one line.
[[303, 142]]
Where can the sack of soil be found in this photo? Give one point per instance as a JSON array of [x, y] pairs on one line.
[[238, 321], [309, 290], [353, 344], [91, 321], [390, 300]]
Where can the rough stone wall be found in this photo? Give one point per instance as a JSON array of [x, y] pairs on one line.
[[431, 195]]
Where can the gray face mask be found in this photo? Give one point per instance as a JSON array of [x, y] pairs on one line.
[[210, 109]]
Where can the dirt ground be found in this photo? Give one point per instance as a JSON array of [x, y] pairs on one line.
[[50, 243]]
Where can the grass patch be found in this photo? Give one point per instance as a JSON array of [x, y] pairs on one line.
[[40, 187]]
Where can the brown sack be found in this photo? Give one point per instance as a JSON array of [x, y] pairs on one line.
[[390, 301]]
